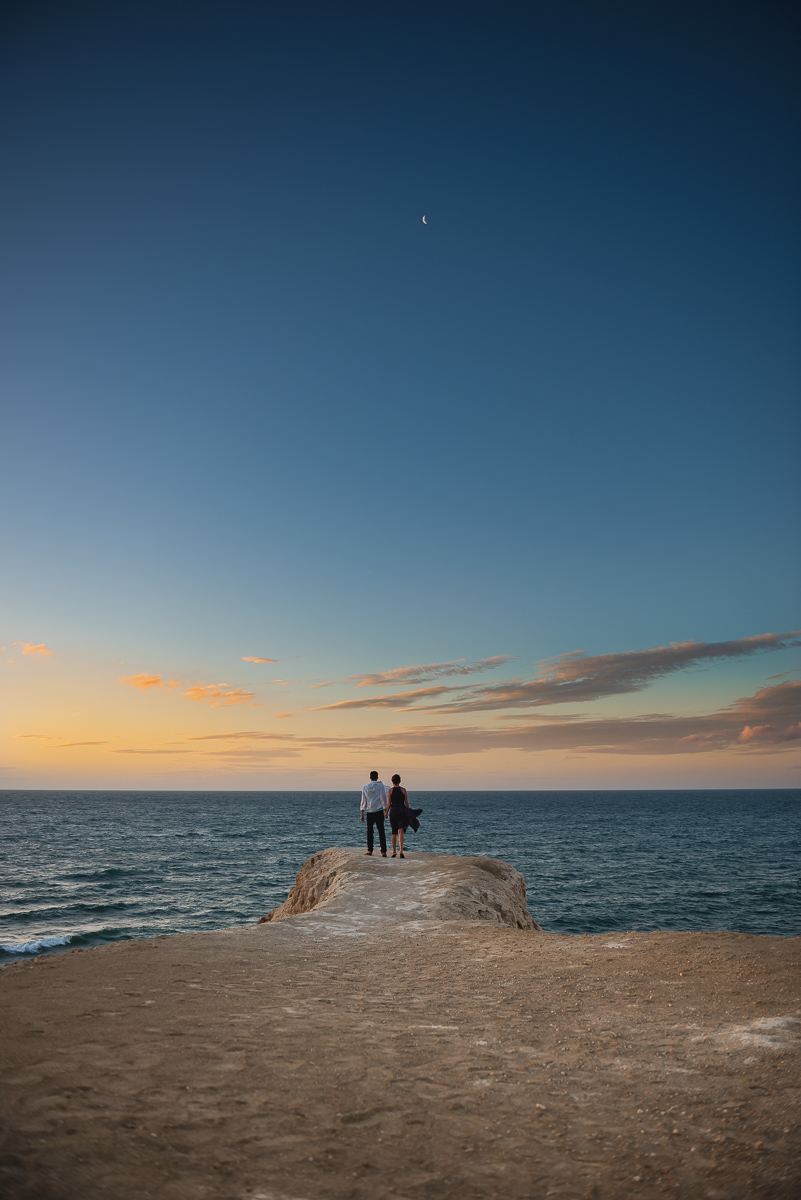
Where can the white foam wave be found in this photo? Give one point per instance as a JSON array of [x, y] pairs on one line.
[[38, 946]]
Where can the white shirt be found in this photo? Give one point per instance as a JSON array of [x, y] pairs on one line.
[[374, 796]]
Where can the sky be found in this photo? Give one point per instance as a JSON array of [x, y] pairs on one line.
[[296, 485]]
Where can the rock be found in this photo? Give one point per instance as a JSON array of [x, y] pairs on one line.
[[435, 887], [319, 879]]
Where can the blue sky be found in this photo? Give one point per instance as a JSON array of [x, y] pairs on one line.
[[253, 406]]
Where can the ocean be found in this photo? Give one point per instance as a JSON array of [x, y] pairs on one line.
[[87, 868]]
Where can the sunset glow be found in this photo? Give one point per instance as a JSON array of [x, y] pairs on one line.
[[587, 720]]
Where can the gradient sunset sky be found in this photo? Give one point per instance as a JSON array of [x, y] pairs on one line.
[[295, 485]]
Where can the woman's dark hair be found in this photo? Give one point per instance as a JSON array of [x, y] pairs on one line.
[[396, 779]]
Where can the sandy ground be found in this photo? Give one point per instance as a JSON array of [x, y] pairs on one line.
[[371, 1048]]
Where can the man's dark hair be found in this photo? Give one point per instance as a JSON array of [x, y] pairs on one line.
[[374, 774]]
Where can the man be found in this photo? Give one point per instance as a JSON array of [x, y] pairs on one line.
[[374, 799]]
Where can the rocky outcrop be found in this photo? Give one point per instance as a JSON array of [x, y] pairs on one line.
[[486, 889], [319, 879], [434, 887]]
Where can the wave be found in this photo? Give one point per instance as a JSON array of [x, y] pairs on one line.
[[56, 942], [38, 946]]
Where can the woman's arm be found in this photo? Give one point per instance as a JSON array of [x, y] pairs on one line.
[[405, 797]]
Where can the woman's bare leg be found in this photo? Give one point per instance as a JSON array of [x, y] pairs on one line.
[[394, 843], [400, 840]]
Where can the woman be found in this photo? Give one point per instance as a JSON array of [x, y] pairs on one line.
[[397, 803]]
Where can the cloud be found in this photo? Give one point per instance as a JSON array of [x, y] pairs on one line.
[[579, 678], [241, 758], [250, 735], [774, 711], [276, 681], [66, 745], [635, 668], [569, 678], [397, 700], [776, 701], [30, 648], [425, 672], [150, 752], [219, 695], [767, 722], [146, 682], [250, 658], [778, 707], [279, 716], [327, 683], [42, 737], [770, 734]]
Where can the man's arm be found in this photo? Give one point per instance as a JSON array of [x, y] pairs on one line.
[[362, 806]]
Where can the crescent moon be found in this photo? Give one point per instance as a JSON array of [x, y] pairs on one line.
[[425, 222]]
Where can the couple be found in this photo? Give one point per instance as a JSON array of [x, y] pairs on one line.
[[378, 803]]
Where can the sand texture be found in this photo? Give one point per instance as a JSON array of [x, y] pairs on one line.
[[404, 1037]]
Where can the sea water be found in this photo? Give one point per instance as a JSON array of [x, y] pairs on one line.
[[85, 868]]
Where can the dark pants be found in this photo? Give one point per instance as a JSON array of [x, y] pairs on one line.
[[376, 818]]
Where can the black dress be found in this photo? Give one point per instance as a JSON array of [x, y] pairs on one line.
[[397, 809]]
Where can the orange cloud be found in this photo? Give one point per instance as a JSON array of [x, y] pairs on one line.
[[145, 682], [66, 745], [769, 734], [278, 716], [258, 660], [219, 695], [30, 648]]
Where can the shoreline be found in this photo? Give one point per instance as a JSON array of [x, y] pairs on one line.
[[387, 1044]]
